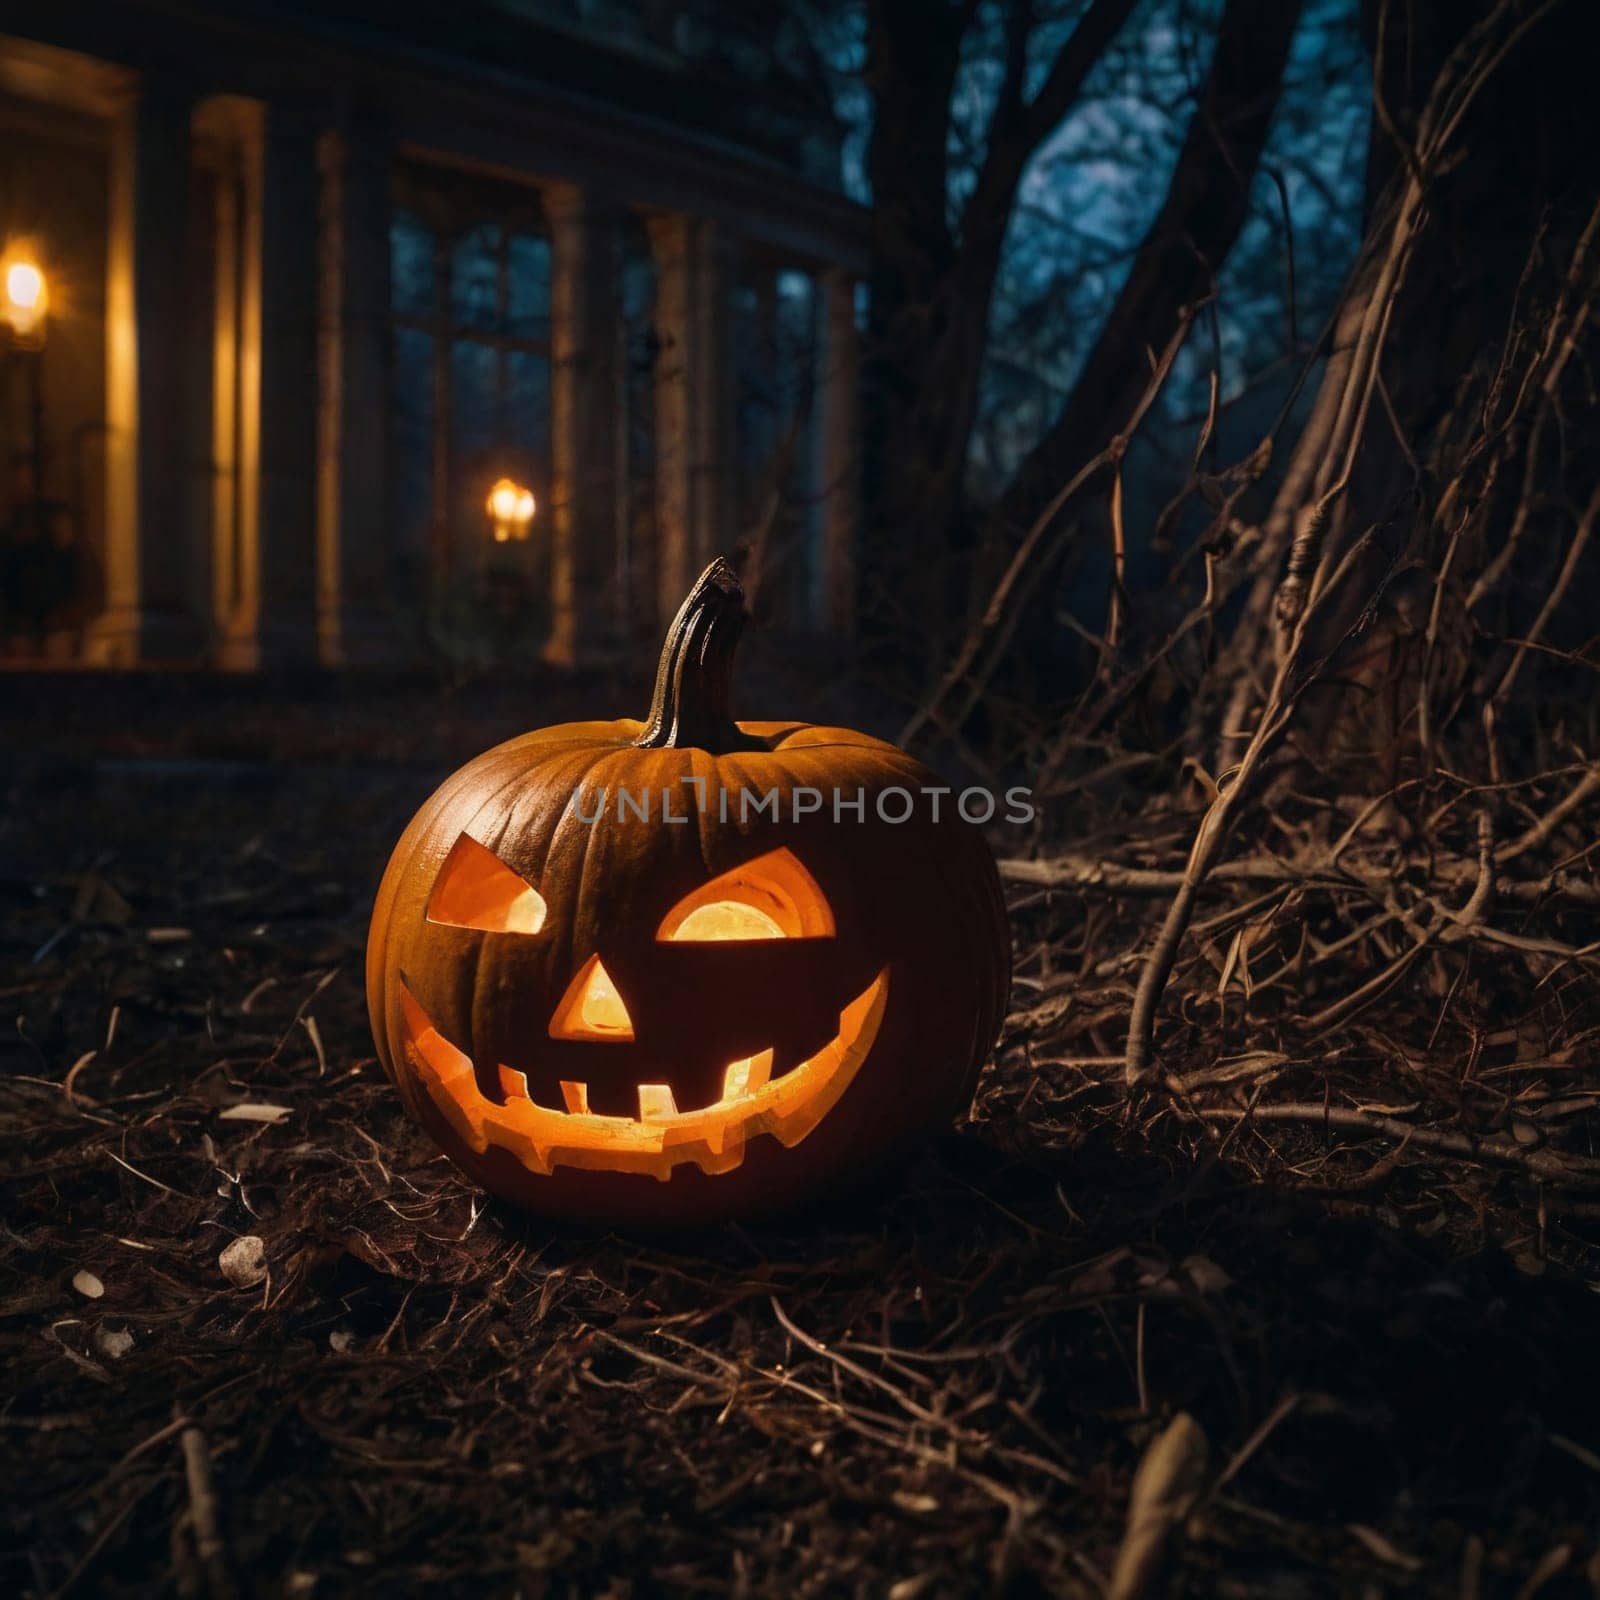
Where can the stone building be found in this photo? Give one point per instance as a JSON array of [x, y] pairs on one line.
[[317, 281]]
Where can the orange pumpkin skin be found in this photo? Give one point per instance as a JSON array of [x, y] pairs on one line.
[[887, 1002]]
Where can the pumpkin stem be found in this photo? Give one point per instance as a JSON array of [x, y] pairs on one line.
[[690, 707]]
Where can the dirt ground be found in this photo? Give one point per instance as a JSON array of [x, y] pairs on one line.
[[944, 1386]]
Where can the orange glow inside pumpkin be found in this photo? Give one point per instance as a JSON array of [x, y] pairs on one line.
[[592, 1008], [729, 919], [772, 897], [726, 919], [602, 1008], [476, 889], [713, 1138]]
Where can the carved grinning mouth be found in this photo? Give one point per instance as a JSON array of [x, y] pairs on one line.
[[661, 1137]]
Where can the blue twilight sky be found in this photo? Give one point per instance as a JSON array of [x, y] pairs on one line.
[[1094, 187]]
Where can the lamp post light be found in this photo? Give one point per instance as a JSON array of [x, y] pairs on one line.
[[24, 302], [508, 587], [27, 298], [511, 508]]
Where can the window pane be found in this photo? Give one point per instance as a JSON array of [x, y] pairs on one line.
[[475, 278], [637, 285], [796, 332], [410, 265], [528, 405], [756, 410], [528, 286], [412, 509], [474, 373]]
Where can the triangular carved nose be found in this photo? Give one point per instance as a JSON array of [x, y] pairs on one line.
[[591, 1008]]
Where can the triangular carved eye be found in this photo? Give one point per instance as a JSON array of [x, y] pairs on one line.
[[476, 889]]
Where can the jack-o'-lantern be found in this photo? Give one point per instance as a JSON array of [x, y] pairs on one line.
[[688, 969]]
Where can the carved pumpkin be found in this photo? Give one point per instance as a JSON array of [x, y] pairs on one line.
[[714, 1011]]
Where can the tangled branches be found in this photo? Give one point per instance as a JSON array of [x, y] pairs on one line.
[[1394, 866]]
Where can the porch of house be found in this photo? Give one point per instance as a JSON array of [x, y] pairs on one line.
[[310, 299]]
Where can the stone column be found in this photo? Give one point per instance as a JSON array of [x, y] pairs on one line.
[[694, 401], [225, 393], [671, 247], [836, 439], [714, 466], [274, 622], [355, 622], [586, 415], [145, 617]]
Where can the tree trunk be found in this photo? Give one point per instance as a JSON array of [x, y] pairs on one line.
[[932, 285], [913, 54], [1206, 206]]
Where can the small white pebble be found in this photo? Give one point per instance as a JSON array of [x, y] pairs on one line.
[[254, 1111], [244, 1262], [113, 1343], [87, 1284]]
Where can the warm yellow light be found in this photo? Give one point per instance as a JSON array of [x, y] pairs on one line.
[[24, 286], [713, 1138], [511, 508], [592, 1008], [27, 298], [772, 897], [732, 919], [656, 1102], [726, 919], [749, 1076], [602, 1008], [476, 889], [503, 500]]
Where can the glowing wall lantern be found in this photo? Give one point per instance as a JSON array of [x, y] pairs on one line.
[[709, 1010], [24, 304], [24, 301], [511, 508]]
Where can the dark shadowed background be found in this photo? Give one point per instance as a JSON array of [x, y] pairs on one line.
[[1184, 408]]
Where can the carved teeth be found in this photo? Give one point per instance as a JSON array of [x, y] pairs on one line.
[[542, 1138], [747, 1076], [656, 1102]]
